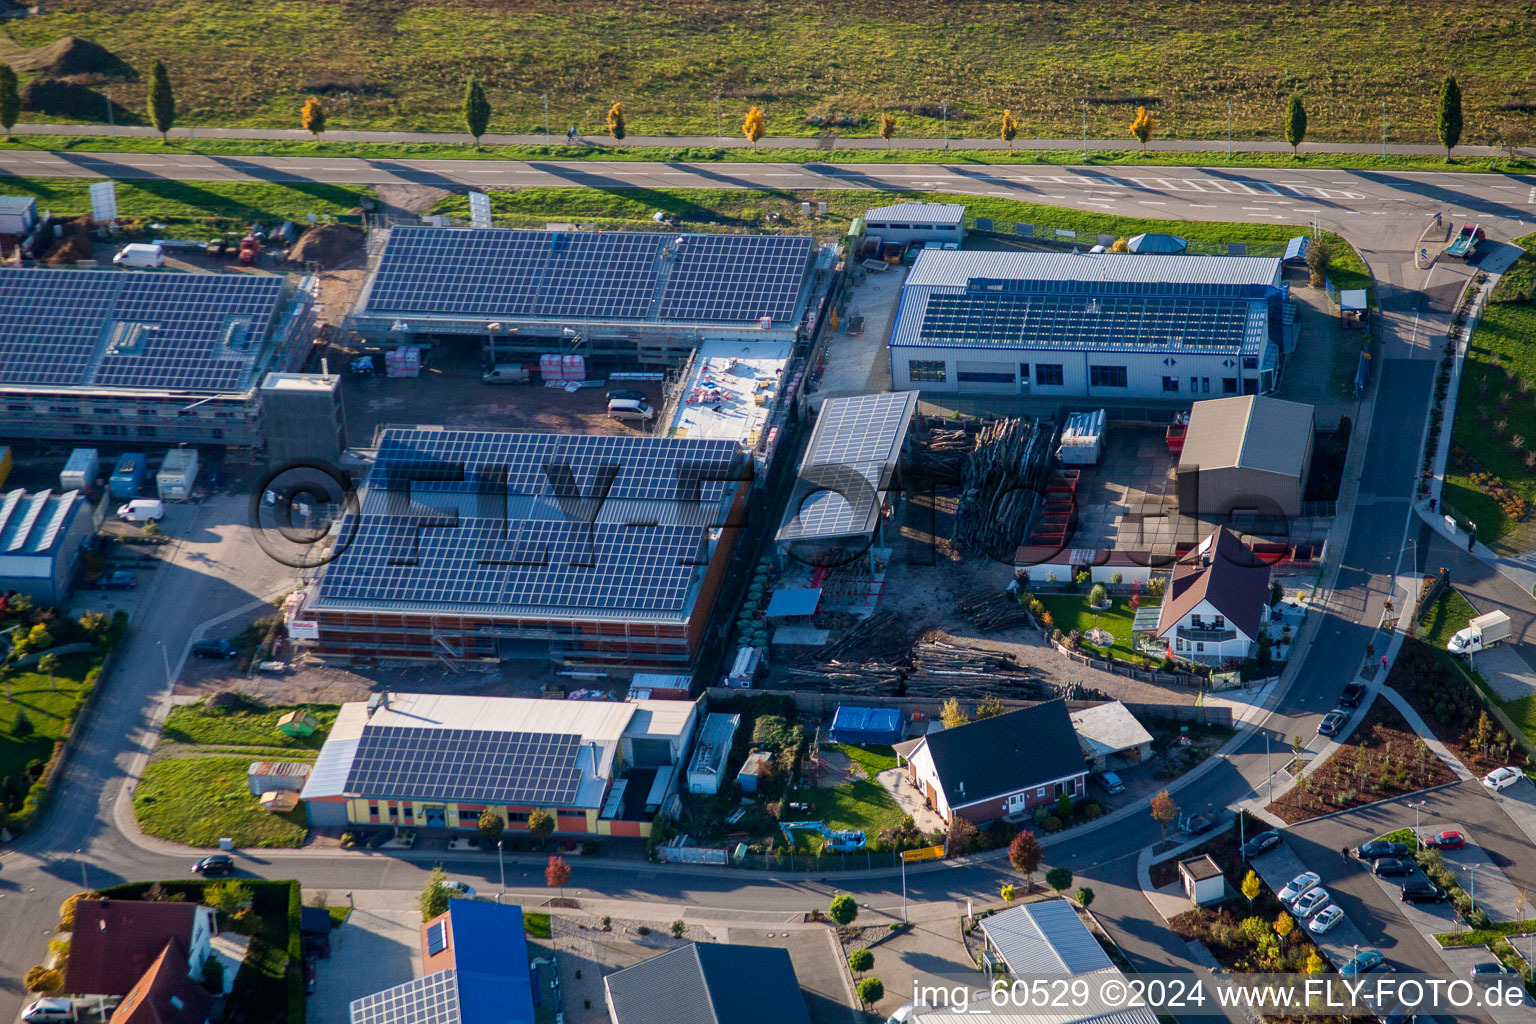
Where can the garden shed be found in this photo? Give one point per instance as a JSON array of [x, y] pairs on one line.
[[298, 724], [276, 776], [867, 726]]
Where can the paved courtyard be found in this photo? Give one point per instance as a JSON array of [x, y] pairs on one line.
[[374, 950]]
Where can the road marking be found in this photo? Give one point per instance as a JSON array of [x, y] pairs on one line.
[[1256, 208], [1271, 216], [1047, 195], [1512, 188], [1378, 213], [1202, 206], [1149, 202], [1008, 194], [1531, 199]]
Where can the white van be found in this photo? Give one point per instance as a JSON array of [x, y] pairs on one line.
[[49, 1010], [630, 409], [141, 510], [506, 374], [140, 255]]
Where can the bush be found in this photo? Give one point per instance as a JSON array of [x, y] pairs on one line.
[[871, 990], [678, 927], [843, 909], [643, 930], [213, 975], [67, 909], [860, 960], [1098, 595], [1156, 585], [43, 979], [1051, 823]]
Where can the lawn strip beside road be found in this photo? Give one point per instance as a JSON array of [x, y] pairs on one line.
[[199, 800], [358, 145], [247, 725]]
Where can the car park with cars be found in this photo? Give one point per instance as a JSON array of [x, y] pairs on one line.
[[1422, 892], [1312, 900], [118, 580], [1502, 778], [1391, 867], [1332, 722], [1366, 961], [1450, 839]]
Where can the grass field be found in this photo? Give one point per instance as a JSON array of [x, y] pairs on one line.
[[204, 203], [198, 800], [248, 727], [537, 925], [1496, 411], [49, 710], [750, 208], [1071, 611], [706, 154], [809, 65], [860, 804]]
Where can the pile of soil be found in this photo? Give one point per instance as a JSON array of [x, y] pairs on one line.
[[70, 56], [327, 245], [78, 242], [61, 98]]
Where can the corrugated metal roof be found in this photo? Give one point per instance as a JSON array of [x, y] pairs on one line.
[[1045, 938], [329, 776], [953, 268], [917, 213], [31, 524], [1250, 432]]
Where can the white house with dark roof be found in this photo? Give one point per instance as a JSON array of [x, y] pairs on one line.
[[1000, 767], [1216, 601]]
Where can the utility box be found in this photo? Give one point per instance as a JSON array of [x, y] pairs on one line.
[[81, 470], [177, 475]]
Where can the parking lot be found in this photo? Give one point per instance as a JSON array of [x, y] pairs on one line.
[[377, 948]]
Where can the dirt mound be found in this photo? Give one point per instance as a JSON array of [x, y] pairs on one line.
[[77, 243], [328, 245], [69, 99], [70, 56]]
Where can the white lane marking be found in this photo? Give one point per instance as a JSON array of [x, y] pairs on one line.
[[1308, 209], [1194, 185], [1002, 194], [1378, 213], [1202, 206], [1531, 199], [1047, 195], [1270, 216], [1512, 188], [1149, 202], [1256, 208]]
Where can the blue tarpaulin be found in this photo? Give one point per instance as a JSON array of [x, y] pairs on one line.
[[866, 726], [793, 602]]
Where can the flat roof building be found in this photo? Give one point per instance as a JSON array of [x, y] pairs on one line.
[[579, 550], [142, 357], [929, 223], [627, 293], [737, 390], [439, 761], [40, 537], [1088, 325]]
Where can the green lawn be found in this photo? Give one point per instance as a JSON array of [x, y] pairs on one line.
[[339, 916], [536, 925], [48, 709], [204, 204], [403, 63], [1071, 611], [1496, 411], [198, 800], [749, 208], [250, 727], [596, 150], [873, 759], [860, 804]]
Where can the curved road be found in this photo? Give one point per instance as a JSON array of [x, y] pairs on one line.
[[1382, 213]]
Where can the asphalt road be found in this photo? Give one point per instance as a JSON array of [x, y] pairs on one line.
[[1383, 213]]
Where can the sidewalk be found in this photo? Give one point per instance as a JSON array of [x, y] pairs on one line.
[[737, 141]]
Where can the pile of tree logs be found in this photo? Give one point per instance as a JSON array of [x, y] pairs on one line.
[[880, 638], [999, 482], [991, 610], [943, 451]]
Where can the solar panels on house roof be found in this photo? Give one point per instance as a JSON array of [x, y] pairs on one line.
[[107, 328], [1053, 321], [580, 275], [582, 526], [433, 999], [471, 765]]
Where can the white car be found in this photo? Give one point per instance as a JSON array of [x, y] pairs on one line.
[[1501, 778], [1314, 898], [1298, 885], [49, 1010], [459, 889], [1325, 919]]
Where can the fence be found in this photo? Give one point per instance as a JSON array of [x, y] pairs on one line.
[[1068, 236], [822, 704]]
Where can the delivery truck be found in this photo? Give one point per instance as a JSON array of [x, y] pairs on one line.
[[128, 477], [1481, 633]]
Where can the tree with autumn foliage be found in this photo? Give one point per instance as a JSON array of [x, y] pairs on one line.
[[754, 126], [1010, 128], [1164, 810], [616, 122], [887, 128], [313, 116], [1025, 854], [1143, 127], [557, 873]]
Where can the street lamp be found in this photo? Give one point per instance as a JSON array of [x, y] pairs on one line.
[[719, 120], [83, 883], [503, 864], [1416, 807], [545, 97], [1472, 889], [1085, 130], [944, 109], [1229, 127], [1383, 127], [165, 659]]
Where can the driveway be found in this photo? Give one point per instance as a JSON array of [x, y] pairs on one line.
[[375, 949]]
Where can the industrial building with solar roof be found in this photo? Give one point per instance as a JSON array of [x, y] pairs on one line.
[[439, 761], [594, 550], [145, 357], [628, 295], [1098, 326]]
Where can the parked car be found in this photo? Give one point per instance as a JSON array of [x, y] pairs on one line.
[[1111, 783], [1450, 839], [118, 580], [1422, 892], [217, 864], [49, 1010], [1312, 900], [1353, 694], [1378, 848], [629, 393], [1364, 962], [1198, 823], [1491, 969], [215, 649], [1332, 722], [1325, 920], [1391, 867], [1298, 885], [1260, 843], [459, 889], [1501, 778], [630, 409]]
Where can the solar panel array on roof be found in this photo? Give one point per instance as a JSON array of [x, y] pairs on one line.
[[430, 1000], [134, 330], [852, 452], [573, 524], [478, 765], [613, 275], [990, 318], [863, 428]]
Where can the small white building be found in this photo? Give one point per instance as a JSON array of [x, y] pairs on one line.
[[707, 767], [17, 214], [904, 223], [1202, 878]]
